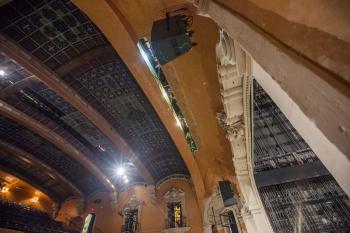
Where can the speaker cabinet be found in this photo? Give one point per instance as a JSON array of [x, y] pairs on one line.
[[170, 38], [227, 194]]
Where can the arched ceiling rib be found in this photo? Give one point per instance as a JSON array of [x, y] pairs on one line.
[[48, 153], [75, 99], [53, 178], [43, 105], [44, 133], [67, 42], [32, 175]]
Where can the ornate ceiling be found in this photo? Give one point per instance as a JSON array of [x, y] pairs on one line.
[[66, 42]]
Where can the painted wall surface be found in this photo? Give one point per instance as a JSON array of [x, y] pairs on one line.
[[153, 214]]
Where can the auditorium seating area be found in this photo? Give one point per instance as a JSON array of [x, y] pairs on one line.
[[27, 219]]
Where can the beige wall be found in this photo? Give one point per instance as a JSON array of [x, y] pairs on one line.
[[152, 216], [316, 29]]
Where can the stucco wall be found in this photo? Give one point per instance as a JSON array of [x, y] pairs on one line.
[[153, 215]]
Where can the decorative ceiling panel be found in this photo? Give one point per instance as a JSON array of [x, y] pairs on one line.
[[49, 154], [44, 105], [106, 83], [53, 31], [56, 32]]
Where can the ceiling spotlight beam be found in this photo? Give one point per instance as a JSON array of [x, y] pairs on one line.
[[40, 129], [52, 80], [14, 88], [17, 152]]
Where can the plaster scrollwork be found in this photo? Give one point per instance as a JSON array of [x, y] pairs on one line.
[[202, 6], [174, 195], [233, 66], [133, 203], [152, 193], [236, 128]]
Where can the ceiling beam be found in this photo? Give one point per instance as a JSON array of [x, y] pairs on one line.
[[17, 152], [40, 129], [52, 80], [83, 58], [16, 87]]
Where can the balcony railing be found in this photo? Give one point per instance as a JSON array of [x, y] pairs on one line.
[[168, 94], [135, 229], [171, 224]]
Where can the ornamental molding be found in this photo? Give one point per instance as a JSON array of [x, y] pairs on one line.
[[172, 178], [132, 204], [174, 195], [152, 193], [236, 128], [233, 67], [202, 6]]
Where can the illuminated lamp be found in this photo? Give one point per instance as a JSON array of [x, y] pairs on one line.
[[120, 171], [4, 189]]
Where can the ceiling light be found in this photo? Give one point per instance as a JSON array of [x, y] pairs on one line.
[[2, 73], [125, 177], [4, 189], [120, 171], [126, 181]]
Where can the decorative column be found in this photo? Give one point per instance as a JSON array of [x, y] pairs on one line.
[[234, 77]]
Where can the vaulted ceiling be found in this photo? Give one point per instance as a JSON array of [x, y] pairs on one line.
[[72, 59]]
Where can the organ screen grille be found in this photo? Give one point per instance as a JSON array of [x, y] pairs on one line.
[[310, 202]]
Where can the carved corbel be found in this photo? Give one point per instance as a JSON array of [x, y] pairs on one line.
[[202, 6]]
